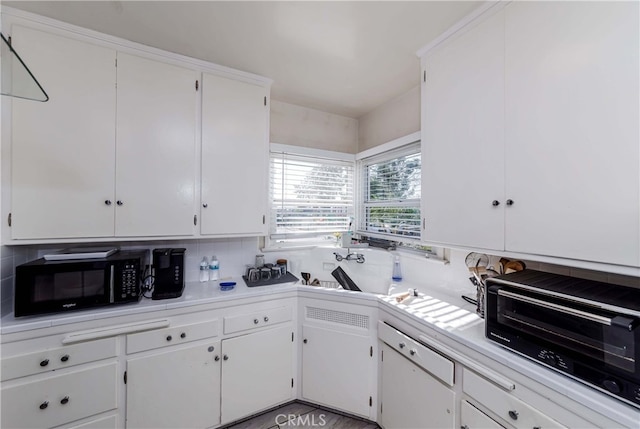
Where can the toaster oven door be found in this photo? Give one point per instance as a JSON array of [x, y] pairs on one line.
[[585, 332]]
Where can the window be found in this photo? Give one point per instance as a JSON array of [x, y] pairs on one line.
[[311, 196], [390, 194]]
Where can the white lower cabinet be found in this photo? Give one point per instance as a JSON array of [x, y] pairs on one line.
[[257, 372], [411, 397], [176, 388], [473, 418], [45, 402], [338, 369]]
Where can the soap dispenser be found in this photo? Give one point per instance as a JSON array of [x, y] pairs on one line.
[[397, 271]]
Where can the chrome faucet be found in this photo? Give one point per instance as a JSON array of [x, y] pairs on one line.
[[358, 257]]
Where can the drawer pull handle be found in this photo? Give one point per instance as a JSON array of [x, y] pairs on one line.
[[304, 341], [44, 362], [169, 338], [412, 352], [64, 400], [64, 358], [513, 414], [217, 358], [225, 357], [256, 321], [464, 427], [266, 319], [402, 345], [183, 335], [44, 405]]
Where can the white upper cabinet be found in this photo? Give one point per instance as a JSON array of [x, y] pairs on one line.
[[156, 148], [63, 151], [235, 157], [572, 130], [535, 109], [463, 138]]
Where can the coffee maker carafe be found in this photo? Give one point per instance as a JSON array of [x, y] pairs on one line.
[[168, 268]]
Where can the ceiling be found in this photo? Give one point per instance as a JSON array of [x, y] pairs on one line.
[[342, 57]]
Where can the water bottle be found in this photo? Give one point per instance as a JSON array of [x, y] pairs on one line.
[[397, 272], [214, 269], [204, 269]]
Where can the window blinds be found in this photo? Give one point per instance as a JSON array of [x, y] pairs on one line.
[[309, 195], [390, 190]]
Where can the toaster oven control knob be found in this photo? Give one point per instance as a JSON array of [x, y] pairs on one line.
[[44, 362], [611, 385]]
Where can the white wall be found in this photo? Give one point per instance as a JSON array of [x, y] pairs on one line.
[[301, 126], [397, 118]]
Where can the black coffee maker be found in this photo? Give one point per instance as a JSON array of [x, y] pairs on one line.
[[168, 269]]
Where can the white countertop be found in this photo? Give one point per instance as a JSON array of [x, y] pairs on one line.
[[438, 307]]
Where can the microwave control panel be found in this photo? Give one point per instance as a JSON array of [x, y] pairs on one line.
[[129, 280]]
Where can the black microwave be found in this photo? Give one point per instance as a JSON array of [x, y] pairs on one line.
[[46, 286]]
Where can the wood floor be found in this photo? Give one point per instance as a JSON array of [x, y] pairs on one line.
[[302, 416]]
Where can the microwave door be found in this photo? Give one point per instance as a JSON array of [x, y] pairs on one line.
[[584, 332]]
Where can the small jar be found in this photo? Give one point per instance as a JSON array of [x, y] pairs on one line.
[[282, 263], [259, 261]]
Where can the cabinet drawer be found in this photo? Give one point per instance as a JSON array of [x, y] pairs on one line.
[[170, 336], [504, 404], [56, 358], [473, 418], [60, 399], [256, 319], [438, 365]]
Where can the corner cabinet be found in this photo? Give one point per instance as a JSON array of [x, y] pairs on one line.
[[531, 113], [235, 157]]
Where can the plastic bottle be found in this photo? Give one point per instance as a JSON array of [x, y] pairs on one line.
[[397, 271], [214, 269], [204, 269]]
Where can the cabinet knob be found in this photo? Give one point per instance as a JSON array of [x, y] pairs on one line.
[[217, 358], [402, 345], [169, 337], [107, 202], [509, 202], [513, 414], [64, 358], [210, 349], [412, 352], [205, 205], [464, 427], [304, 341], [183, 335], [119, 202], [495, 203], [44, 405], [44, 362], [64, 400], [256, 321], [225, 357], [266, 319]]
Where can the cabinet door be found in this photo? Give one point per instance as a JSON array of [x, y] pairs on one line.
[[411, 397], [156, 148], [257, 372], [177, 388], [337, 369], [63, 150], [235, 157], [572, 130], [463, 139]]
